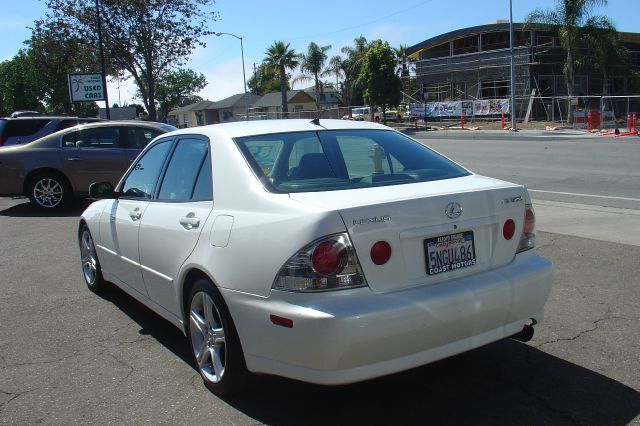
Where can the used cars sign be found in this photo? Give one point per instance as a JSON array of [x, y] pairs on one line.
[[86, 87]]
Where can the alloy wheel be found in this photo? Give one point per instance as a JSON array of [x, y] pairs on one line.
[[207, 337], [88, 258], [48, 193]]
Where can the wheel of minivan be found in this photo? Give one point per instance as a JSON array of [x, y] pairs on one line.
[[49, 191], [214, 342]]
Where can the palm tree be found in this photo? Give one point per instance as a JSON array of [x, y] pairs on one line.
[[280, 57], [607, 53], [568, 19], [403, 69], [336, 67], [351, 66], [403, 60], [312, 67]]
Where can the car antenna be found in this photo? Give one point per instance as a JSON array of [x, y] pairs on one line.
[[315, 121]]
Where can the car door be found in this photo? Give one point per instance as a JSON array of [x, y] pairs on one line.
[[94, 155], [119, 232], [172, 223]]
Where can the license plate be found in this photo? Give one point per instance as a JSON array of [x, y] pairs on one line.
[[449, 252]]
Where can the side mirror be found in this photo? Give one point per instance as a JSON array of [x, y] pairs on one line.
[[102, 190]]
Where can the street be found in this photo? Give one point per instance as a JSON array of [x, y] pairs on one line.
[[68, 356]]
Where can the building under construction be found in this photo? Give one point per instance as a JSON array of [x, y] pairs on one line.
[[474, 63]]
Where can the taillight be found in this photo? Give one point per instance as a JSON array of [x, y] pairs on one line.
[[528, 237], [329, 263], [329, 257]]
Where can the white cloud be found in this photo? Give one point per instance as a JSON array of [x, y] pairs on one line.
[[224, 79]]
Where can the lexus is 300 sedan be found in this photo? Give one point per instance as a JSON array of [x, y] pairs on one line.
[[326, 251]]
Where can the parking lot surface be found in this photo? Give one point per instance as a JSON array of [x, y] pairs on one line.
[[68, 356]]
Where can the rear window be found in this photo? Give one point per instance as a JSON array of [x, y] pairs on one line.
[[342, 159], [25, 127]]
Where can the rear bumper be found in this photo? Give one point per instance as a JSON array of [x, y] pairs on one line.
[[348, 336]]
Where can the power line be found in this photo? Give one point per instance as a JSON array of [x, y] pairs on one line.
[[382, 18]]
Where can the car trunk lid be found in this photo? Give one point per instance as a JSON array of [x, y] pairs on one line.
[[413, 220]]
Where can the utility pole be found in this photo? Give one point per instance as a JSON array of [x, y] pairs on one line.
[[513, 71], [255, 77], [104, 74]]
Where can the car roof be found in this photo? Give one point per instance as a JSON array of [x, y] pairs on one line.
[[49, 117], [262, 127]]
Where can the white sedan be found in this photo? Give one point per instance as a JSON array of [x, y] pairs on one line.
[[326, 251]]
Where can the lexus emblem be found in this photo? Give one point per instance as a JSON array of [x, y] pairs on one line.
[[453, 210]]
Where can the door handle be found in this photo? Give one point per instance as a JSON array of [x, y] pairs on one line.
[[74, 159], [190, 221], [135, 214]]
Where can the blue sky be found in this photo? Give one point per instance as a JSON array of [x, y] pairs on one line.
[[327, 22]]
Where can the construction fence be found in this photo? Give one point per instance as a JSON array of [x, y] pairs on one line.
[[601, 112]]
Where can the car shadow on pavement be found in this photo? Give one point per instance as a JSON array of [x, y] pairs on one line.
[[150, 323], [26, 209], [507, 382]]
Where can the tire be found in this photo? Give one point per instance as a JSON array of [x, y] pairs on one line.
[[49, 191], [213, 340], [91, 270]]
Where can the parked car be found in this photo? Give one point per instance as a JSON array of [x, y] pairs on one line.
[[364, 113], [393, 115], [53, 170], [22, 129], [327, 251], [16, 114]]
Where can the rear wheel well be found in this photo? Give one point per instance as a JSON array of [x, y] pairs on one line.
[[189, 280], [44, 170]]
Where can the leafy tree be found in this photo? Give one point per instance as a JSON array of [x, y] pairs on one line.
[[378, 74], [265, 80], [140, 111], [144, 38], [281, 58], [568, 19], [312, 67], [174, 86], [56, 53], [19, 89]]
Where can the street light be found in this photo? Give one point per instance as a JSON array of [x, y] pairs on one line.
[[244, 78]]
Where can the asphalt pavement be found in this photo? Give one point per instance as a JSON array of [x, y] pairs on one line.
[[68, 356]]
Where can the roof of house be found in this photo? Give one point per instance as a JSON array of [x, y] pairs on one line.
[[275, 98], [237, 100], [197, 106]]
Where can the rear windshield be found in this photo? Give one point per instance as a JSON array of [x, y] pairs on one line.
[[342, 159], [23, 127]]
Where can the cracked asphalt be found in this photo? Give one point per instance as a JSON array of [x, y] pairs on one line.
[[70, 357]]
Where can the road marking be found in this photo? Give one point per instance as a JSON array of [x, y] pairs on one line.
[[585, 195]]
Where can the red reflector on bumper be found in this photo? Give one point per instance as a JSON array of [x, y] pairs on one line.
[[284, 322]]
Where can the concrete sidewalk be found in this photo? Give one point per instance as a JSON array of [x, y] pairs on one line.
[[611, 224]]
